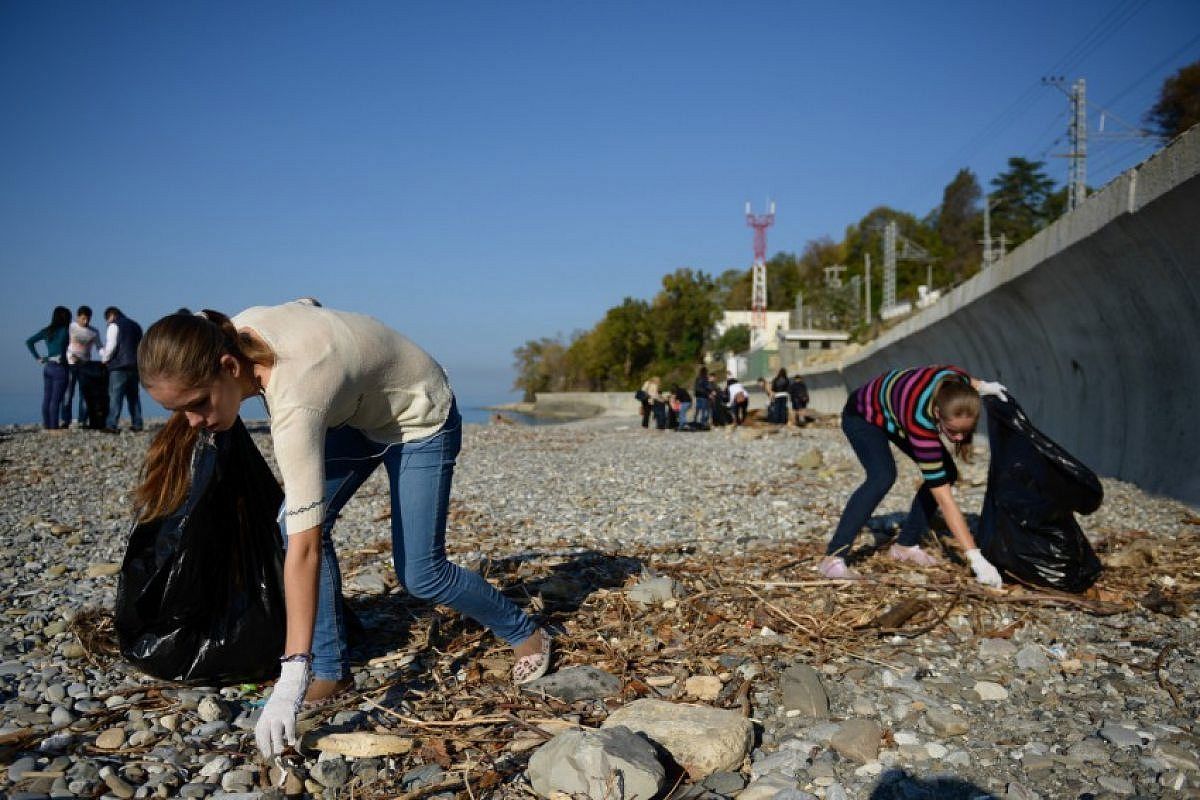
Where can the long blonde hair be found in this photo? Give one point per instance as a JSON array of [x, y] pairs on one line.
[[956, 398], [186, 348]]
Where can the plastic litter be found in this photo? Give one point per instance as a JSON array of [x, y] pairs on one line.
[[201, 591], [1027, 528]]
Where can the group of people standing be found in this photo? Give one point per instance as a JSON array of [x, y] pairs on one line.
[[103, 369], [712, 404]]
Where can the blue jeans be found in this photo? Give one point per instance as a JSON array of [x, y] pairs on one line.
[[871, 445], [123, 385], [69, 396], [682, 414], [703, 413], [54, 384], [419, 477]]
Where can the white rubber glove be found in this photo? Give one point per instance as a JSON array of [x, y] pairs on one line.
[[994, 389], [985, 573], [276, 726]]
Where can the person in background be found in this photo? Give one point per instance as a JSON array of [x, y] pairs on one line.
[[779, 397], [653, 395], [120, 356], [913, 409], [739, 400], [54, 368], [82, 348], [683, 401], [346, 394], [798, 393], [703, 389]]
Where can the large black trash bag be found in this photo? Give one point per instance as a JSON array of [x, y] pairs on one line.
[[201, 591], [1027, 527]]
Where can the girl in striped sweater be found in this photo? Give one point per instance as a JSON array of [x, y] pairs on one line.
[[913, 409]]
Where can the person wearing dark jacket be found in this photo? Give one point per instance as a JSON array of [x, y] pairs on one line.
[[779, 397], [120, 356], [703, 388], [798, 392]]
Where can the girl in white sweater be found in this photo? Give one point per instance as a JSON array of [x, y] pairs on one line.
[[345, 394]]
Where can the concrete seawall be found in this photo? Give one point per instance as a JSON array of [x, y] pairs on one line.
[[1094, 324]]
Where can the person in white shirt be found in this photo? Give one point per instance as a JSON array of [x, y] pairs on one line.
[[82, 348], [739, 400], [345, 394]]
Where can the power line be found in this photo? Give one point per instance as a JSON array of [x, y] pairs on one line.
[[1153, 70], [1113, 21]]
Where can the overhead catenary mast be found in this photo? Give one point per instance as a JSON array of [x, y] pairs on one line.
[[758, 275]]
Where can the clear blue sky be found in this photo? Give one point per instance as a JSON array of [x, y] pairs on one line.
[[480, 174]]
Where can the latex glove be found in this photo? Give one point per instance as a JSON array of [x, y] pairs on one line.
[[985, 573], [994, 389], [276, 726]]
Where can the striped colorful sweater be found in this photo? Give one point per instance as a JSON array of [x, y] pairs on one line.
[[901, 402]]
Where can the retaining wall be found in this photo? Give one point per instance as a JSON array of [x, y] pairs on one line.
[[1094, 324]]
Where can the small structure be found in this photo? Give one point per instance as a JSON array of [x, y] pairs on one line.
[[795, 345]]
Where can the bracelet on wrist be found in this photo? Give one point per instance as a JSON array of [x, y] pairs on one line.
[[305, 657]]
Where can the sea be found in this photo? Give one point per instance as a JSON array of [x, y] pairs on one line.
[[25, 408]]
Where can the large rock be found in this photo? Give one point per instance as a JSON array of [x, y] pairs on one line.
[[654, 590], [947, 723], [612, 763], [804, 692], [771, 786], [701, 739], [857, 740], [576, 683], [359, 744]]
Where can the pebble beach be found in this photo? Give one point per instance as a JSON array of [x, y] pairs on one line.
[[675, 568]]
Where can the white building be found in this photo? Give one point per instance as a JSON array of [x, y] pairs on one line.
[[767, 340]]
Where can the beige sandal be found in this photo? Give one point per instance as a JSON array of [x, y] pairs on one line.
[[531, 667]]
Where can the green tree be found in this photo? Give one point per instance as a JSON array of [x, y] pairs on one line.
[[683, 315], [620, 347], [1022, 196], [540, 366], [957, 224], [1178, 106], [735, 339]]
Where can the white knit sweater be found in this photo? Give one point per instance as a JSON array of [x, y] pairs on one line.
[[336, 368]]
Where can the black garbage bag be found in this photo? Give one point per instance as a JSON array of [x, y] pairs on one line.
[[201, 591], [1027, 528], [93, 387]]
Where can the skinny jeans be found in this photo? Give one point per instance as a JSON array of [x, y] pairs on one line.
[[54, 386], [871, 445], [703, 413], [419, 478], [69, 396]]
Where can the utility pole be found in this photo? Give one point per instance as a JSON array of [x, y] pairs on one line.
[[889, 265], [987, 232], [867, 291], [1077, 136]]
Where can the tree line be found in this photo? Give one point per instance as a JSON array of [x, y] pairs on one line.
[[670, 334]]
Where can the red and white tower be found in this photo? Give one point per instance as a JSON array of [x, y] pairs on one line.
[[758, 275]]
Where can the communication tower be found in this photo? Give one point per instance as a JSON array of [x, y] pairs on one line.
[[758, 275]]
